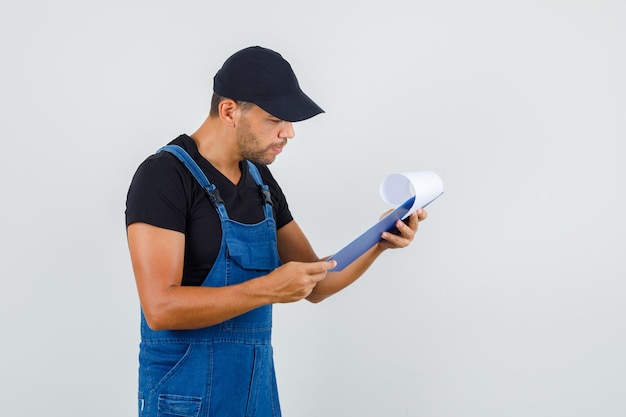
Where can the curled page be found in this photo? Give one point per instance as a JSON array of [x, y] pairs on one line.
[[398, 188], [409, 192]]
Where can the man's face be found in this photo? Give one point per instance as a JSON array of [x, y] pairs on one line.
[[261, 136]]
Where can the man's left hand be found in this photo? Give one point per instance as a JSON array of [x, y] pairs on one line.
[[406, 231]]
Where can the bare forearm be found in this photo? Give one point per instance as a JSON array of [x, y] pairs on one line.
[[177, 307], [183, 307]]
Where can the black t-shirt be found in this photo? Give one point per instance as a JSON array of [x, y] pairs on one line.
[[163, 193]]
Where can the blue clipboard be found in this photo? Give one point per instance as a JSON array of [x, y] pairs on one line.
[[371, 236]]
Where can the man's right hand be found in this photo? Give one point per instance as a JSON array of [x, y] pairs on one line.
[[294, 281]]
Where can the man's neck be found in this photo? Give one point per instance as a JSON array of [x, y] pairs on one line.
[[217, 145]]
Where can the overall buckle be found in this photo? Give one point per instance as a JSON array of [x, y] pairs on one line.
[[214, 195], [264, 191]]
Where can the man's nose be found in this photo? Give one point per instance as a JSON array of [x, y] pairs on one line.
[[287, 130]]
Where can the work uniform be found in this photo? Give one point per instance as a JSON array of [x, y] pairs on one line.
[[226, 369]]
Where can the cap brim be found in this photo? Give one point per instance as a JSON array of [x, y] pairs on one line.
[[293, 108]]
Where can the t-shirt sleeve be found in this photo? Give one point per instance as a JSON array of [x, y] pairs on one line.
[[157, 194]]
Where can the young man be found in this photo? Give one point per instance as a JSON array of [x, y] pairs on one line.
[[213, 246]]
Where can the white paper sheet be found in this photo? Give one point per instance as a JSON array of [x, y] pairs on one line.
[[424, 185]]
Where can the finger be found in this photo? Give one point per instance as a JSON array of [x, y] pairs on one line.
[[398, 241], [320, 267], [422, 214], [407, 230], [413, 220]]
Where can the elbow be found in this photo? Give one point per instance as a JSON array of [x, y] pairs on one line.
[[161, 311], [155, 324], [320, 293], [156, 318], [316, 298]]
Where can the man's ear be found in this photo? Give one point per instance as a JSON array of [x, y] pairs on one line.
[[228, 112]]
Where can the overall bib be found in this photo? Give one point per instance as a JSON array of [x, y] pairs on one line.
[[226, 369]]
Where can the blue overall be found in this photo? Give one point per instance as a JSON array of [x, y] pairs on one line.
[[226, 369]]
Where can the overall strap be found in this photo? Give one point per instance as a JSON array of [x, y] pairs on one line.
[[264, 190], [197, 173]]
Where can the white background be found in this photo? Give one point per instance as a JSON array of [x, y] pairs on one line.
[[509, 303]]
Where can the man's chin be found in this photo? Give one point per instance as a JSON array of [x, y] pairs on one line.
[[264, 161]]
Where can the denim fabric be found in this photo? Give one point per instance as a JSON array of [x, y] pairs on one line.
[[226, 369]]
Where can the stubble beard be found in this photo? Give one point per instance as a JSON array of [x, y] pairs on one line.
[[249, 146]]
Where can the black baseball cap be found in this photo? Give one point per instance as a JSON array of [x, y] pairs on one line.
[[261, 76]]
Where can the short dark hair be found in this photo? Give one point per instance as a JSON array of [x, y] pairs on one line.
[[217, 99]]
